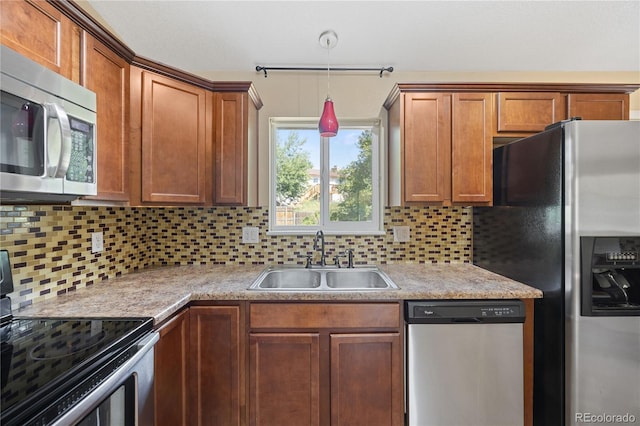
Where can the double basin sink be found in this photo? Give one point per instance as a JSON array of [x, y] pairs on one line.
[[297, 278]]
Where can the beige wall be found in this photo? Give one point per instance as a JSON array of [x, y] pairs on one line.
[[301, 94]]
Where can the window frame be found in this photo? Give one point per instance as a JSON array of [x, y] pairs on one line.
[[373, 227]]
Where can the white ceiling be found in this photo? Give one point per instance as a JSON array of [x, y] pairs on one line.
[[204, 36]]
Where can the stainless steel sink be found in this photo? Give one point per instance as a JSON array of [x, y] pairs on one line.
[[288, 279], [296, 278], [357, 279]]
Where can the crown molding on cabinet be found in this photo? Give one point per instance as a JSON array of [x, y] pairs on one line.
[[508, 87], [74, 12]]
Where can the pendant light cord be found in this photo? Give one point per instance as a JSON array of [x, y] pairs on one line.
[[328, 68]]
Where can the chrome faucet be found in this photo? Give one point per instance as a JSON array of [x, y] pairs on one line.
[[320, 237], [349, 253]]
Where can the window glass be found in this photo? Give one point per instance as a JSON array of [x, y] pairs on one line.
[[350, 176], [325, 183], [297, 176]]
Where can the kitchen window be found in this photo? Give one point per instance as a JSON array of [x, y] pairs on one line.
[[332, 184]]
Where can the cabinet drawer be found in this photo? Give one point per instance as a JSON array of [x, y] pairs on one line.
[[599, 106], [529, 112], [325, 315]]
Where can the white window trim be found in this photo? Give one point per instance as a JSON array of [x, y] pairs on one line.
[[376, 225]]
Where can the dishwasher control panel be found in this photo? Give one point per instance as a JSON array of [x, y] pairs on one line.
[[464, 311]]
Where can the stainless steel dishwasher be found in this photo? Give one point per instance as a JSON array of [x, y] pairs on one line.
[[465, 363]]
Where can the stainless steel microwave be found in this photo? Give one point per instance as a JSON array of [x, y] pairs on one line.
[[48, 148]]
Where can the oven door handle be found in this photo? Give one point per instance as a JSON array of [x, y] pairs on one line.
[[84, 407]]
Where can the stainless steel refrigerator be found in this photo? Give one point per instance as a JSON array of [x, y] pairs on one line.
[[566, 220]]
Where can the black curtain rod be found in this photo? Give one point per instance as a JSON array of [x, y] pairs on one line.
[[265, 69]]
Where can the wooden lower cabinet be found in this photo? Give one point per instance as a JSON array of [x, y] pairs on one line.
[[216, 366], [284, 379], [200, 364], [306, 363], [171, 355], [365, 389], [336, 364]]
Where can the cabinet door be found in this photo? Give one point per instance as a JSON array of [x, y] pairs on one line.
[[366, 379], [173, 141], [108, 76], [284, 379], [217, 367], [41, 32], [471, 156], [599, 106], [529, 112], [426, 157], [230, 148], [171, 372]]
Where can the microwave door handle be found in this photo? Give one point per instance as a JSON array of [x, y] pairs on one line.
[[58, 149]]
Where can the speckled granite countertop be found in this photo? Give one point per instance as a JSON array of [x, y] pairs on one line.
[[160, 292]]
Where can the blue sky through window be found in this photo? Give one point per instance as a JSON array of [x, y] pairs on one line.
[[343, 147]]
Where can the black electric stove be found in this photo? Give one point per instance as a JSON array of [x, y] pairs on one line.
[[49, 363]]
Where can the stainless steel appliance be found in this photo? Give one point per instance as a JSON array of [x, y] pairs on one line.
[[74, 371], [47, 133], [465, 363], [566, 219]]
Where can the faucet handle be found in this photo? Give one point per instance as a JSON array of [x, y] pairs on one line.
[[308, 259], [336, 259]]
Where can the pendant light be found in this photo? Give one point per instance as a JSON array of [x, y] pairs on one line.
[[328, 125]]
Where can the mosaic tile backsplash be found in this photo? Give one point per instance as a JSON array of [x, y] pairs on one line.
[[50, 246]]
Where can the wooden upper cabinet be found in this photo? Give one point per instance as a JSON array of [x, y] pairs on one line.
[[426, 168], [107, 74], [171, 362], [230, 148], [471, 148], [444, 149], [193, 144], [599, 106], [523, 113], [440, 135], [42, 33], [173, 141], [528, 112], [235, 146]]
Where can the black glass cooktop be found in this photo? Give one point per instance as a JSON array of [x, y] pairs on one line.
[[42, 359]]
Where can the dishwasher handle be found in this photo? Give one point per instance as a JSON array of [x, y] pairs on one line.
[[466, 320]]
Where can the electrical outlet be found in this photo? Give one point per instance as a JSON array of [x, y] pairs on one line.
[[250, 234], [401, 234], [97, 243]]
